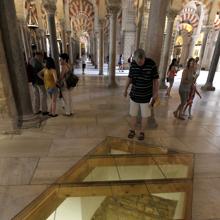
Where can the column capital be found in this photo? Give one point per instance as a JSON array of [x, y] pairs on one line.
[[68, 32], [50, 6], [101, 21], [113, 9]]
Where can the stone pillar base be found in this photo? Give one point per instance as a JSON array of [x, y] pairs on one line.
[[30, 121], [113, 85], [208, 87]]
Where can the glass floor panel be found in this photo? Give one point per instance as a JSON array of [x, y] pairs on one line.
[[120, 179]]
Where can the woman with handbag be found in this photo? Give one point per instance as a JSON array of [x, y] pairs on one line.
[[66, 91]]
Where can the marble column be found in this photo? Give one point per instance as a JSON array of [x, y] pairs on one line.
[[192, 45], [70, 52], [50, 8], [167, 48], [139, 23], [95, 50], [204, 42], [101, 45], [155, 33], [209, 83], [63, 36], [185, 48], [112, 53], [16, 66]]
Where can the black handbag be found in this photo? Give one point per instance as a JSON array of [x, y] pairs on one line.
[[71, 80]]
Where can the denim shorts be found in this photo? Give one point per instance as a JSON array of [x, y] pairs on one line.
[[52, 90]]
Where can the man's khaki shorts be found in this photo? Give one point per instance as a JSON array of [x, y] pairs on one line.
[[134, 108]]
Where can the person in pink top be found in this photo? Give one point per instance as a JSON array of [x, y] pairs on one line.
[[170, 75]]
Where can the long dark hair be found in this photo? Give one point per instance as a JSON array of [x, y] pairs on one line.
[[50, 64], [189, 61], [173, 63]]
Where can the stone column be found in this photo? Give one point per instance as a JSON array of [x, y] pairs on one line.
[[69, 40], [139, 23], [192, 45], [16, 67], [112, 53], [101, 45], [209, 83], [204, 42], [63, 35], [155, 33], [50, 8], [185, 48], [167, 48], [95, 50]]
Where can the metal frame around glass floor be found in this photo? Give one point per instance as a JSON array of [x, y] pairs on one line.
[[89, 177]]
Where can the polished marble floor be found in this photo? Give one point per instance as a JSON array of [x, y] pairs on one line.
[[35, 158]]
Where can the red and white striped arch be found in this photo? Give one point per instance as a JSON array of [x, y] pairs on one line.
[[190, 18], [82, 15]]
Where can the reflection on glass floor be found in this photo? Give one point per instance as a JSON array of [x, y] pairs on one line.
[[120, 180]]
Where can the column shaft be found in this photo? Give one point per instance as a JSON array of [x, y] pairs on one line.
[[15, 60], [209, 83], [139, 22], [155, 33], [112, 52], [53, 40], [101, 46], [205, 38], [167, 48]]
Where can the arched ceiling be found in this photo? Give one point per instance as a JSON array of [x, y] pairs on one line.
[[83, 12], [82, 16]]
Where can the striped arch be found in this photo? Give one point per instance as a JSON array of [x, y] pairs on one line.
[[82, 14], [217, 22], [190, 18], [207, 5]]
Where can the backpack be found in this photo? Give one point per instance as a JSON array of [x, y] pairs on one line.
[[71, 79]]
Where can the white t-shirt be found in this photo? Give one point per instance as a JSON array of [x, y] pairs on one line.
[[83, 59]]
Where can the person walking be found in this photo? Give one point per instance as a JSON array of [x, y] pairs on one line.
[[143, 76], [192, 93], [66, 92], [121, 63], [184, 88], [83, 63], [170, 75], [39, 91]]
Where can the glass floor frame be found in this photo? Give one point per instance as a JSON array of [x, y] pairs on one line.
[[117, 168]]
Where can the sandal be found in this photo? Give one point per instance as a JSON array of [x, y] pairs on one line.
[[131, 134], [141, 136]]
